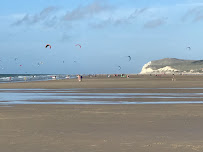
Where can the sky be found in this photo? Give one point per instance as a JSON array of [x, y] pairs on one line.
[[108, 31]]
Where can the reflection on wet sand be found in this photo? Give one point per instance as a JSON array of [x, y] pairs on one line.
[[79, 96]]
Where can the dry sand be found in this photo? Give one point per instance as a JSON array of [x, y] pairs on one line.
[[135, 81], [105, 128]]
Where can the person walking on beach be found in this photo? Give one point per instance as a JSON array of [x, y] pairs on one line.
[[79, 77], [68, 77], [173, 79]]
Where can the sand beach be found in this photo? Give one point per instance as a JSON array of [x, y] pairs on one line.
[[119, 127]]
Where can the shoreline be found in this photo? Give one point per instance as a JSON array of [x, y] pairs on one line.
[[139, 81]]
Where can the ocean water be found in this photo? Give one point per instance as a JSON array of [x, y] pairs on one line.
[[6, 78]]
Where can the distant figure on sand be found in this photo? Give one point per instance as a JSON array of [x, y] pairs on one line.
[[53, 77], [173, 78], [79, 78], [67, 77]]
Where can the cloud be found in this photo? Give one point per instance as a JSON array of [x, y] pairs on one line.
[[52, 22], [131, 17], [96, 14], [65, 37], [47, 17], [86, 11], [196, 14], [102, 24], [137, 12], [155, 23], [23, 20], [120, 21], [33, 19]]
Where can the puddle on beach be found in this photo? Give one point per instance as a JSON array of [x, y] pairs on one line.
[[5, 104], [10, 97]]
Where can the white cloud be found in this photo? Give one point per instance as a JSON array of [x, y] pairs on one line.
[[155, 23], [36, 18], [196, 14], [86, 11]]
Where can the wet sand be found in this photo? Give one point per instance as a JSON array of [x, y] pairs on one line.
[[91, 128]]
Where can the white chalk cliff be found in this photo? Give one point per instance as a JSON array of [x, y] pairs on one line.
[[173, 65], [146, 69]]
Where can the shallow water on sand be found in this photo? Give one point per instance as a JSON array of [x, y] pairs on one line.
[[77, 96]]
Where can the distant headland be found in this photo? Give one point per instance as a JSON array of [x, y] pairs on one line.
[[173, 65]]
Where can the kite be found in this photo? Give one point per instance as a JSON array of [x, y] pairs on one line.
[[39, 63], [189, 47], [129, 58], [78, 45], [48, 45], [119, 67]]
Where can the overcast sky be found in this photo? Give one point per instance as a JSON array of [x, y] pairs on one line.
[[108, 30]]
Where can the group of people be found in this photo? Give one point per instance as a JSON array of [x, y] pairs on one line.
[[78, 76]]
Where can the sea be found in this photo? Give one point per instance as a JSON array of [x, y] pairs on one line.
[[6, 78]]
